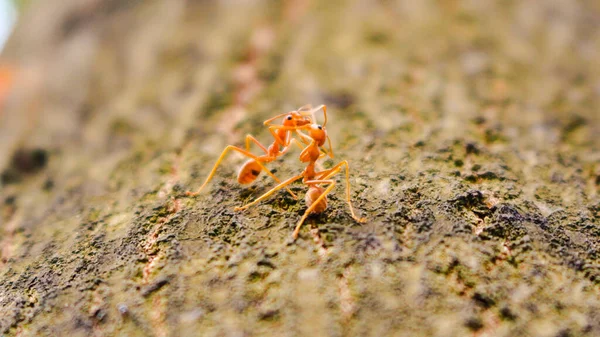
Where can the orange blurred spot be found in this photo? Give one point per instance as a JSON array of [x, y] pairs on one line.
[[7, 74]]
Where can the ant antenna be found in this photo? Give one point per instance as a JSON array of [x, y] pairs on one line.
[[330, 147], [274, 118], [324, 107], [324, 114], [306, 107]]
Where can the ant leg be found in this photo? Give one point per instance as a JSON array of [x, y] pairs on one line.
[[214, 169], [270, 192], [264, 168], [278, 140], [295, 141], [266, 158], [305, 138], [314, 204], [222, 156], [309, 147], [285, 142], [335, 170], [250, 138]]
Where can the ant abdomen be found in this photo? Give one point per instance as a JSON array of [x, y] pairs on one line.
[[314, 192], [249, 172]]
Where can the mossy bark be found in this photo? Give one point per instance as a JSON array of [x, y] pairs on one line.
[[471, 128]]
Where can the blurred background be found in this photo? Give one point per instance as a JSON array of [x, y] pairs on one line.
[[8, 15], [471, 128]]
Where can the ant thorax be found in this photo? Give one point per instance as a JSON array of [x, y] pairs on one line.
[[310, 154]]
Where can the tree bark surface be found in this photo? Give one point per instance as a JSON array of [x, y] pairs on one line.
[[471, 129]]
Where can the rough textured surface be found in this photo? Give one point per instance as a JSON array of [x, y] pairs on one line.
[[471, 128]]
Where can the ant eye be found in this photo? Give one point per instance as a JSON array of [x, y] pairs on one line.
[[289, 118], [320, 127]]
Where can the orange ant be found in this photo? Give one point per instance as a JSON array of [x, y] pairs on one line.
[[250, 170], [316, 197]]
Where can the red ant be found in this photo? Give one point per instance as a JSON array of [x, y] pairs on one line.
[[250, 170], [316, 197]]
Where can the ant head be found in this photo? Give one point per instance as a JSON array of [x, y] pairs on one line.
[[294, 118], [318, 133]]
